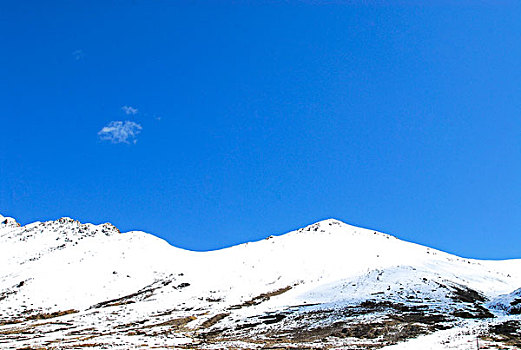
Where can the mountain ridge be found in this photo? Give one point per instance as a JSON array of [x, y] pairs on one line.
[[308, 227], [320, 279]]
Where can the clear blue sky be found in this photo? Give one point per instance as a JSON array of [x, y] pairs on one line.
[[238, 120]]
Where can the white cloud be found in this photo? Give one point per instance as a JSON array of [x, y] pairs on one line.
[[129, 110], [78, 54], [120, 132]]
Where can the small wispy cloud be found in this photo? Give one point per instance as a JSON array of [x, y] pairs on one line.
[[120, 132], [129, 110], [78, 54]]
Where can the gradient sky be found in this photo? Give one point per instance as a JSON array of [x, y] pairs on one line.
[[210, 123]]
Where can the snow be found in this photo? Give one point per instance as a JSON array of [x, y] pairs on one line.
[[63, 264]]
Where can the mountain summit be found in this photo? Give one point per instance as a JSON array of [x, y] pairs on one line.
[[65, 284], [7, 222]]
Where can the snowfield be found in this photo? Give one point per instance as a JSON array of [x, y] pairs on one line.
[[329, 285]]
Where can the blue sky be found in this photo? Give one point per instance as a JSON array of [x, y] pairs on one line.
[[214, 123]]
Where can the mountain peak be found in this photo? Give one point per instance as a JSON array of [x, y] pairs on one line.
[[8, 221], [107, 226], [67, 224], [331, 222], [323, 225]]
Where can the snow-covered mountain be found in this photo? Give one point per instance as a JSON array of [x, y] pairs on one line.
[[64, 284]]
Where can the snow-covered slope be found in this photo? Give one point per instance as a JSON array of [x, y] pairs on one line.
[[508, 303], [325, 279]]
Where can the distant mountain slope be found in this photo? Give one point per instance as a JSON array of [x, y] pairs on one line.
[[67, 284]]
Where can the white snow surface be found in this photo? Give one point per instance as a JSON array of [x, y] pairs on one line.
[[63, 264]]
